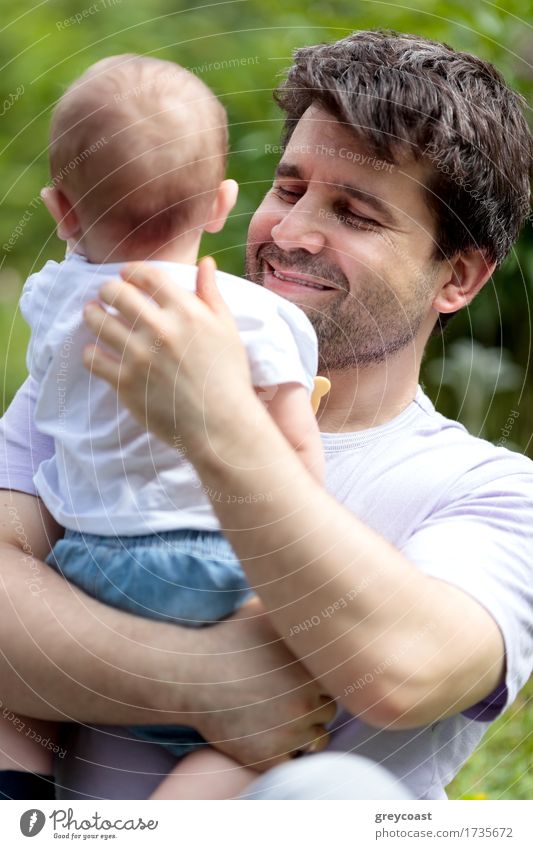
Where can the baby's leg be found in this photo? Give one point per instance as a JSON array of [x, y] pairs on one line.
[[26, 765], [206, 774]]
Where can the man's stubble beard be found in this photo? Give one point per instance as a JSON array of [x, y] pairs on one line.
[[363, 329]]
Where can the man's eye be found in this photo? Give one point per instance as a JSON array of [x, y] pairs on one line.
[[286, 194], [352, 219]]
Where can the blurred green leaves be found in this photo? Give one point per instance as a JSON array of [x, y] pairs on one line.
[[241, 48]]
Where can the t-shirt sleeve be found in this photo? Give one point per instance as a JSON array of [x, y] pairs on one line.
[[22, 447], [280, 342], [277, 355], [39, 306], [483, 544]]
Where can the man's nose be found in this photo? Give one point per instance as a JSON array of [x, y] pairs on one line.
[[299, 228]]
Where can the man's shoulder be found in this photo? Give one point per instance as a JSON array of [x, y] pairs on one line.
[[453, 449], [421, 463]]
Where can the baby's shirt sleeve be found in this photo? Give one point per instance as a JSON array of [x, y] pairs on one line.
[[279, 339], [278, 355]]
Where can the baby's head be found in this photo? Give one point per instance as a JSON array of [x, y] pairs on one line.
[[137, 157]]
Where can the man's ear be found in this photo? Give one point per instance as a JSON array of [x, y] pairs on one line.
[[225, 200], [62, 211], [464, 276]]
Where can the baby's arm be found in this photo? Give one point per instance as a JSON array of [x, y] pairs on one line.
[[290, 407]]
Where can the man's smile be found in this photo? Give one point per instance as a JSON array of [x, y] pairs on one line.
[[284, 281]]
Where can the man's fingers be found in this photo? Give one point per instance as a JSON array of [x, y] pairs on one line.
[[316, 740], [129, 302], [101, 364], [154, 281], [163, 290], [107, 328], [207, 289], [320, 740], [325, 713]]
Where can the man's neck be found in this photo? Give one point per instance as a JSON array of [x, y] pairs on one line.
[[362, 398]]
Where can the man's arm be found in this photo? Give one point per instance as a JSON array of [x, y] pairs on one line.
[[302, 551], [59, 657], [64, 655], [436, 649]]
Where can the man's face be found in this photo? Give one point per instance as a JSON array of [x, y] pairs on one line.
[[349, 239]]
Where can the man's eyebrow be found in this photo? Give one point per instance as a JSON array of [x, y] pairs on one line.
[[285, 169]]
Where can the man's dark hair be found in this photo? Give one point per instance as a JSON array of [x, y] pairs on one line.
[[404, 96]]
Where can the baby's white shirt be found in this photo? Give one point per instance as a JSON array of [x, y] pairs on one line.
[[108, 475]]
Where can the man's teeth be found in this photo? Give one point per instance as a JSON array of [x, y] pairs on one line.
[[300, 282]]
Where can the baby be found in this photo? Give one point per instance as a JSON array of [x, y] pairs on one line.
[[137, 154]]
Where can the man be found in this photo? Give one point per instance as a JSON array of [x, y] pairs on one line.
[[404, 181]]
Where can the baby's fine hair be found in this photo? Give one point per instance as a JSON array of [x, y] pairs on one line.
[[139, 145]]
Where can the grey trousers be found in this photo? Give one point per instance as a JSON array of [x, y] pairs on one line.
[[331, 775]]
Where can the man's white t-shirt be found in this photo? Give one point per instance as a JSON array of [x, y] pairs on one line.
[[458, 507], [108, 475], [461, 510]]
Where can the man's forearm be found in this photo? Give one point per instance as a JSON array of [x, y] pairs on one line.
[[346, 601], [64, 655]]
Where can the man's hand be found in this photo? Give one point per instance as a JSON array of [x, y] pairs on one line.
[[257, 703], [174, 351]]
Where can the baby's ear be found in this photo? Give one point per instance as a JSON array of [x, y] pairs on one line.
[[62, 211], [225, 200]]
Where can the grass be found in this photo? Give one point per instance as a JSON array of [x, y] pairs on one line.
[[500, 768]]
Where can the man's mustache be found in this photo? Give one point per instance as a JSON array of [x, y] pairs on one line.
[[299, 260]]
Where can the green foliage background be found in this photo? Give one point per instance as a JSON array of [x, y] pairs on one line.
[[240, 48]]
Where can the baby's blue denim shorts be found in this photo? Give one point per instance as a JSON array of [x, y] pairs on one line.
[[188, 577]]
